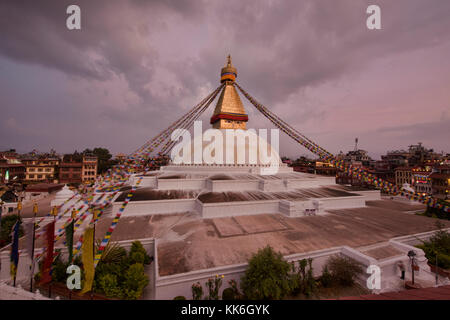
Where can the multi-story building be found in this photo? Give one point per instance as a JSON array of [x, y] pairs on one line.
[[11, 172], [41, 168], [440, 181], [11, 169], [324, 168], [89, 168], [70, 169], [403, 175], [421, 181]]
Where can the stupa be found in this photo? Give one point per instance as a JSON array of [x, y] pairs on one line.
[[254, 174], [241, 149]]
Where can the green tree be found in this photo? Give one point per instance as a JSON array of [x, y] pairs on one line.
[[267, 276], [343, 270], [438, 244]]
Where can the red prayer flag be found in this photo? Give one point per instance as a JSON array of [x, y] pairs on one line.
[[47, 265]]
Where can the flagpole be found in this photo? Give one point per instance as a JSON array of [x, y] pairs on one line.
[[54, 213], [35, 209], [94, 215], [19, 209], [74, 216]]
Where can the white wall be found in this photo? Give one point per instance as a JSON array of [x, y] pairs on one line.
[[142, 208], [238, 208], [180, 184]]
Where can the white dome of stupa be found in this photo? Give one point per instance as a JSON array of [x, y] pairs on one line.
[[244, 148]]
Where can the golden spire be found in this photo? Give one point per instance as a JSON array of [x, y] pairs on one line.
[[229, 112]]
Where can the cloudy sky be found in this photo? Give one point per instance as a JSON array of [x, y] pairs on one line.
[[136, 66]]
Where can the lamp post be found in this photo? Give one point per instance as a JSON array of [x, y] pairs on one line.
[[411, 256]]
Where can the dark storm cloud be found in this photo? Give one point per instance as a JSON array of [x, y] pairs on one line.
[[154, 58]]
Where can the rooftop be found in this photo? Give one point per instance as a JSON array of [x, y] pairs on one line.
[[186, 242]]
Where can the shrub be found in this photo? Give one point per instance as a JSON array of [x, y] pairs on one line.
[[109, 285], [59, 269], [438, 244], [343, 270], [112, 253], [303, 280], [326, 279], [137, 257], [214, 286], [228, 294], [267, 276], [179, 298], [137, 246], [197, 291], [135, 282], [234, 286]]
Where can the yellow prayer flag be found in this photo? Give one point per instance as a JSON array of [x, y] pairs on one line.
[[87, 257]]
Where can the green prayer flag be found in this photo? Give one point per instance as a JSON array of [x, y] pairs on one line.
[[69, 240]]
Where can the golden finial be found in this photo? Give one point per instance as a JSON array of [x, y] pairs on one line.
[[229, 61], [35, 208], [54, 211], [228, 73]]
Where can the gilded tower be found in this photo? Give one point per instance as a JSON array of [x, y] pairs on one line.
[[229, 112]]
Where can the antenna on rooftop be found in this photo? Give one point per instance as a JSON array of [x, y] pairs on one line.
[[356, 144]]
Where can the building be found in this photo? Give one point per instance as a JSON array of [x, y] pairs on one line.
[[120, 157], [324, 168], [70, 169], [11, 169], [421, 181], [11, 172], [42, 168], [40, 190], [403, 175], [89, 168], [440, 181]]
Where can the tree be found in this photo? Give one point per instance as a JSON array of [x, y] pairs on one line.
[[344, 271], [267, 276]]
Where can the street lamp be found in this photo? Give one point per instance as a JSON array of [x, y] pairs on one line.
[[411, 256]]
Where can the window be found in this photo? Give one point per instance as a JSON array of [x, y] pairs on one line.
[[39, 176], [40, 170]]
